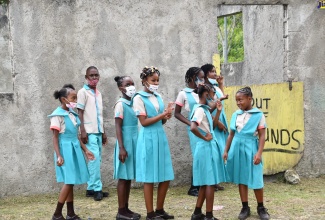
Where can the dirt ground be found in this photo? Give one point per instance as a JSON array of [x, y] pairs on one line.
[[303, 201]]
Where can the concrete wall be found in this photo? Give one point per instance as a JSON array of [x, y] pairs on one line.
[[285, 40], [45, 44], [55, 41], [5, 62]]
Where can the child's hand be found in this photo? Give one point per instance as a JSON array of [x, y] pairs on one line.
[[208, 137], [222, 127], [224, 97], [218, 105], [122, 155], [225, 156], [90, 155], [170, 107], [220, 79], [59, 161], [84, 137], [257, 158], [167, 115]]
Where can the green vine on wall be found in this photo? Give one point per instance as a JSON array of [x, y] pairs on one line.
[[4, 2]]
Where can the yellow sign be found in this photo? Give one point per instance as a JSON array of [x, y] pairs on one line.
[[216, 62], [284, 112]]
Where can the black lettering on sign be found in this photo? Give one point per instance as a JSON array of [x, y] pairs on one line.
[[261, 102], [284, 137], [293, 137], [274, 138]]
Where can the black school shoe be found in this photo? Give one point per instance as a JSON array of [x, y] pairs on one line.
[[58, 218], [164, 215], [123, 217], [244, 213], [213, 218], [193, 192], [218, 187], [154, 218], [197, 217], [98, 195], [75, 217], [262, 212], [136, 215], [91, 193]]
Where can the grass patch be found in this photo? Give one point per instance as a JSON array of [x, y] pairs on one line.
[[284, 201]]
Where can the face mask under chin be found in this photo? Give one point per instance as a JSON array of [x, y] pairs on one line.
[[213, 81]]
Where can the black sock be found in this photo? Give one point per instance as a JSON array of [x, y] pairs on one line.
[[151, 214], [209, 215], [58, 210], [192, 187], [160, 211], [245, 204], [123, 211], [127, 208], [197, 211], [70, 209], [260, 204]]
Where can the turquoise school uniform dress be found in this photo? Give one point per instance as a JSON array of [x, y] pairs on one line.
[[220, 134], [74, 169], [244, 146], [191, 102], [208, 165], [126, 170], [153, 157]]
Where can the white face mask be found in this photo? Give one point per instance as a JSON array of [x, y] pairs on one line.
[[130, 91], [212, 81], [152, 88]]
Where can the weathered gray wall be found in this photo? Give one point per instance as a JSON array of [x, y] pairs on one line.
[[55, 41], [5, 63], [45, 44], [283, 45]]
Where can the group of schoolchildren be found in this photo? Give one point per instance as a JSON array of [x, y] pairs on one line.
[[142, 152]]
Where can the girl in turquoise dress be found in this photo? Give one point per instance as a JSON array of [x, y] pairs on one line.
[[154, 164], [187, 98], [126, 126], [208, 166], [221, 130], [69, 161], [243, 152]]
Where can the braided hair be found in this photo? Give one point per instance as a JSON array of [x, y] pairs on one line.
[[190, 73], [64, 92], [119, 80], [246, 91], [202, 88], [207, 68], [149, 71]]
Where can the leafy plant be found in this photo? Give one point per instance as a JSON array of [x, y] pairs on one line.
[[234, 42]]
